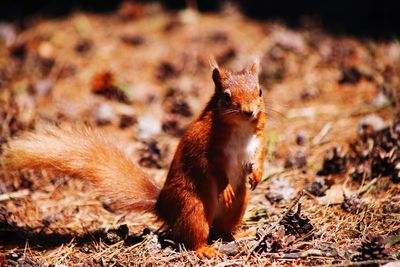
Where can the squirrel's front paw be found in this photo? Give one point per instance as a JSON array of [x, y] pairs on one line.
[[255, 178], [228, 195], [249, 166]]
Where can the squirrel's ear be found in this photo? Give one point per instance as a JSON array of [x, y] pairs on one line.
[[255, 66], [218, 75]]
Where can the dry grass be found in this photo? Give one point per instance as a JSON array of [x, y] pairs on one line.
[[51, 220]]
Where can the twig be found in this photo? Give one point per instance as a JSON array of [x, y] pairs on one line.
[[364, 263], [14, 195], [366, 187], [367, 110], [395, 241], [359, 112], [272, 175], [291, 206], [306, 254], [324, 131]]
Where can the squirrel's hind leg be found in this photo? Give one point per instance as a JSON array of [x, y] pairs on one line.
[[192, 228]]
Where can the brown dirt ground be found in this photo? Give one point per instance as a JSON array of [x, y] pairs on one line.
[[52, 220]]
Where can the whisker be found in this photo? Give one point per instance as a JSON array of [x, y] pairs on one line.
[[229, 111], [273, 114], [270, 101]]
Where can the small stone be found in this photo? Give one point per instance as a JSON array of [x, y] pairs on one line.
[[104, 114], [116, 235], [83, 46], [318, 187], [148, 127], [230, 249], [298, 161], [188, 16], [133, 39], [309, 93], [374, 121], [44, 87], [126, 121], [280, 190], [301, 138], [353, 204], [8, 33], [380, 100], [46, 50]]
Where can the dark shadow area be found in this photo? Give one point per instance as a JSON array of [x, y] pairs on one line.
[[369, 18], [17, 236], [202, 5], [23, 9], [12, 235]]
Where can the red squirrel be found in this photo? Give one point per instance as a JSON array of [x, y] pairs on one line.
[[205, 193]]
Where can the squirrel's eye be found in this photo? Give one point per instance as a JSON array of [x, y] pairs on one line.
[[260, 93], [227, 98]]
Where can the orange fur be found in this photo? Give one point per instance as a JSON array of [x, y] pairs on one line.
[[205, 192], [199, 178], [85, 154]]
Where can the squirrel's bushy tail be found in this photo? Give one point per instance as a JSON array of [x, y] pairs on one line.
[[85, 154]]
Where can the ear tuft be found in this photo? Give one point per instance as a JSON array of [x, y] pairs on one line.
[[255, 67], [213, 62]]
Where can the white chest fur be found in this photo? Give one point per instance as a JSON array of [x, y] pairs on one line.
[[239, 151]]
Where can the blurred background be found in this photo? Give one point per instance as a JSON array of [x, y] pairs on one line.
[[139, 71]]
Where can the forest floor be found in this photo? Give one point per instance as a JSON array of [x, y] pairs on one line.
[[330, 193]]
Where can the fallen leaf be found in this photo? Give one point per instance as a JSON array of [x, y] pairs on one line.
[[332, 196]]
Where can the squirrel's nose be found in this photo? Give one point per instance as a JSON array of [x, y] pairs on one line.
[[248, 113]]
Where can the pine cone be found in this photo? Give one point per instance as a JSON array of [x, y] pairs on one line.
[[374, 154], [317, 187], [150, 155], [353, 204], [176, 102], [391, 205], [396, 171], [274, 240], [296, 224], [335, 162], [103, 83], [373, 248], [360, 172]]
